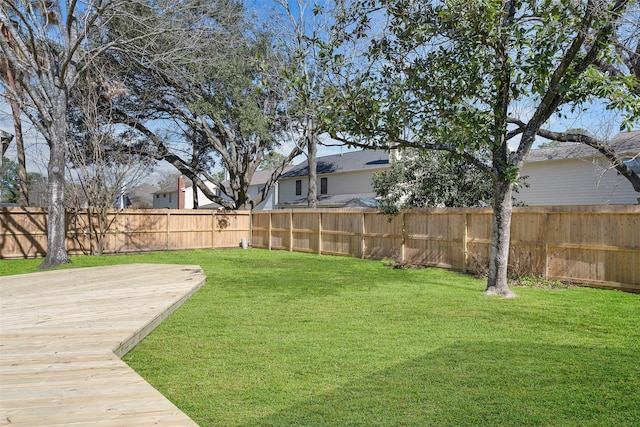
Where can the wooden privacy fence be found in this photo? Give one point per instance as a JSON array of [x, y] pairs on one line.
[[23, 231], [594, 245]]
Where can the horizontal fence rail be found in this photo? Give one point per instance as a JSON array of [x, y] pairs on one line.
[[23, 231], [594, 245]]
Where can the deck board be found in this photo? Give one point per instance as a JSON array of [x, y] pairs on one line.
[[61, 335]]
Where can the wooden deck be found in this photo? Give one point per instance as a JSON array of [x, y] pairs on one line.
[[61, 337]]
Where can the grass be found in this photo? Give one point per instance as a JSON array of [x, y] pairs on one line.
[[285, 339]]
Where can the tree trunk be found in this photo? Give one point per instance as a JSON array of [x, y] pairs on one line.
[[502, 187], [312, 151], [22, 163], [500, 238], [56, 227], [17, 126], [103, 215], [92, 232], [196, 203]]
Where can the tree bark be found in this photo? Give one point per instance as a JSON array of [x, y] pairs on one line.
[[312, 161], [497, 283], [17, 125], [22, 162], [56, 226]]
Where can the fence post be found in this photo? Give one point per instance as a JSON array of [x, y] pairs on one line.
[[115, 243], [168, 228], [290, 230], [464, 241], [269, 231], [250, 238], [403, 246], [319, 232], [545, 246], [214, 213], [363, 238]]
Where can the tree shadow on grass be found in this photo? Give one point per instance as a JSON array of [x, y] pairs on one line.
[[488, 384]]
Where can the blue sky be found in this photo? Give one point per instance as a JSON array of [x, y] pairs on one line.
[[596, 119]]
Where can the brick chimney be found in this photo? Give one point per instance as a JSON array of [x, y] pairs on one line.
[[181, 189]]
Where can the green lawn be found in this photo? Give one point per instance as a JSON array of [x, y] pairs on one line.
[[285, 339]]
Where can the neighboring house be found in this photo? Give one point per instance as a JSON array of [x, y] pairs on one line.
[[343, 180], [180, 196], [141, 196], [577, 174], [260, 178], [258, 181]]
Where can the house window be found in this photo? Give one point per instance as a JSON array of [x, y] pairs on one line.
[[164, 196], [323, 185], [299, 187], [169, 198], [157, 196]]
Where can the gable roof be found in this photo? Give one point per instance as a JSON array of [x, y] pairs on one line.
[[261, 176], [346, 162], [362, 203], [625, 144], [335, 200]]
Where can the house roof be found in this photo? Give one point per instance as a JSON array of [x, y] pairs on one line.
[[263, 175], [625, 144], [346, 162], [210, 206], [260, 176], [336, 200], [362, 203]]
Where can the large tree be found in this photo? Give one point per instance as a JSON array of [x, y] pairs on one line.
[[302, 31], [42, 44], [47, 45], [221, 106], [452, 75]]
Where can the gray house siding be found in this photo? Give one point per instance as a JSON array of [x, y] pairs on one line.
[[578, 175]]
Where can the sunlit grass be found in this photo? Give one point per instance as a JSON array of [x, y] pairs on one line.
[[282, 339]]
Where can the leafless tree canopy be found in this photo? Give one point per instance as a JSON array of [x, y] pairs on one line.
[[49, 46]]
